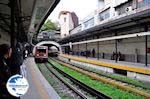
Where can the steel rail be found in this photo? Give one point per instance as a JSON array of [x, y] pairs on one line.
[[112, 82], [104, 75], [83, 86], [66, 83]]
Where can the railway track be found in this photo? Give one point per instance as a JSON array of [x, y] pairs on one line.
[[61, 86], [81, 85], [80, 94], [121, 85]]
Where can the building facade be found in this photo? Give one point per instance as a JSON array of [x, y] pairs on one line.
[[109, 10], [117, 18], [68, 21]]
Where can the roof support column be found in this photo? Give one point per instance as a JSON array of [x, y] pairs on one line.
[[12, 27], [116, 49], [18, 29], [146, 50], [86, 50], [98, 48], [78, 50], [146, 29]]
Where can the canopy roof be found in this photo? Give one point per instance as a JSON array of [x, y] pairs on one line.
[[29, 15]]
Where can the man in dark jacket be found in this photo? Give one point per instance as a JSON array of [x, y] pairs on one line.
[[16, 59], [5, 53]]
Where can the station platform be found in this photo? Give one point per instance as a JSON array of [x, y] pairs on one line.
[[122, 63], [134, 70], [39, 88]]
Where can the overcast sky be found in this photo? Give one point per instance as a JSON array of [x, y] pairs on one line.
[[81, 7]]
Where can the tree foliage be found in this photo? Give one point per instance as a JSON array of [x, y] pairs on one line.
[[49, 25]]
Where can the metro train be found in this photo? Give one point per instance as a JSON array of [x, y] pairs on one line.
[[41, 54], [53, 52]]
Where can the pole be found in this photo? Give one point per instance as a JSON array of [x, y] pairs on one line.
[[12, 6], [116, 48], [146, 50], [78, 50], [86, 51], [146, 29], [98, 50]]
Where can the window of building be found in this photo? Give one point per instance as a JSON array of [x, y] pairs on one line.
[[142, 3], [64, 19], [104, 15], [89, 23]]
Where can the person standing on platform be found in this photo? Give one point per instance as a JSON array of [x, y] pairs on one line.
[[5, 73], [93, 52], [16, 59]]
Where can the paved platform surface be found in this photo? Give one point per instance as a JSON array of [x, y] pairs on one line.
[[39, 88], [132, 64]]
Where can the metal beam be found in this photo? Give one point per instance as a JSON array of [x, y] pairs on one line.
[[4, 4], [3, 28], [5, 14], [4, 21]]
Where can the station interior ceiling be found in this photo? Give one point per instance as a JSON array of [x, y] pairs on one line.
[[19, 18]]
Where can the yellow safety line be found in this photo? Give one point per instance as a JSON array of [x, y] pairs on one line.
[[110, 65]]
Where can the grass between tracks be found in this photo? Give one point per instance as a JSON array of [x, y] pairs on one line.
[[137, 83], [46, 73], [109, 90]]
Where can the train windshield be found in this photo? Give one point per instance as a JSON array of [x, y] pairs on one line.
[[41, 50]]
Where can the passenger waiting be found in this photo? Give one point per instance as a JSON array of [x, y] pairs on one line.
[[5, 73], [16, 59], [93, 53]]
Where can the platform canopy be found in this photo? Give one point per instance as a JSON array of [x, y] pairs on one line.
[[20, 17]]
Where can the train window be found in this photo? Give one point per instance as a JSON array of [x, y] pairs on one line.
[[41, 50]]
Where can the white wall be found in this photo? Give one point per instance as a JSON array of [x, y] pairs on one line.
[[66, 26]]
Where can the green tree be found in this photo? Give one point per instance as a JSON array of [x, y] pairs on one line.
[[49, 25]]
